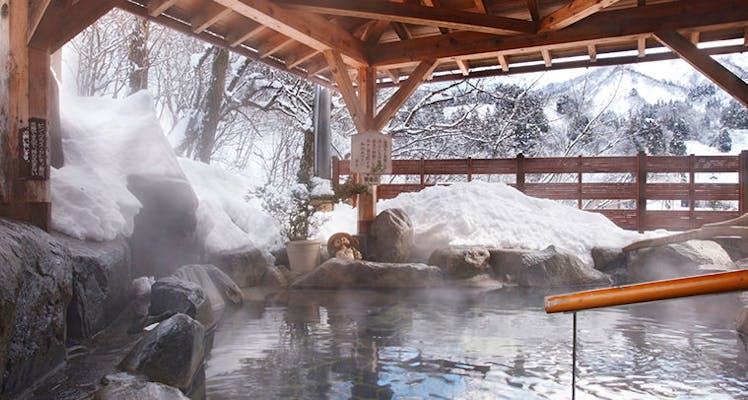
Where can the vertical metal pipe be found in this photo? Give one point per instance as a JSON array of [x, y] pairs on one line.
[[322, 161], [574, 356]]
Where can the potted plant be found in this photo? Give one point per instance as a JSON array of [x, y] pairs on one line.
[[345, 192], [297, 216]]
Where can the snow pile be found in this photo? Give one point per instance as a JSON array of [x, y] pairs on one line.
[[104, 141], [225, 218], [494, 214]]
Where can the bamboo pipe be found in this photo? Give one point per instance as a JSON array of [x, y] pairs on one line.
[[659, 290]]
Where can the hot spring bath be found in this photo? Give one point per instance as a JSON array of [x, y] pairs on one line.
[[464, 344]]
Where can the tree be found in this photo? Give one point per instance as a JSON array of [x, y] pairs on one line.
[[724, 141], [138, 55], [735, 116]]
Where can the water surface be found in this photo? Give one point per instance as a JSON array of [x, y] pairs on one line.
[[463, 344]]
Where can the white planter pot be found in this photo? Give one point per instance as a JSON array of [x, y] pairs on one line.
[[303, 255]]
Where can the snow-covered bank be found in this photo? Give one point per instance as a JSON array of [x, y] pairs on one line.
[[493, 214]]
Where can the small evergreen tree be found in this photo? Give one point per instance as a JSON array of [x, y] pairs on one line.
[[724, 141], [735, 116]]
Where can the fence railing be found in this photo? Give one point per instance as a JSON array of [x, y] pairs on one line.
[[624, 202]]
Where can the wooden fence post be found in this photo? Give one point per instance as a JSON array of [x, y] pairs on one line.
[[421, 172], [692, 191], [743, 179], [520, 172], [470, 169], [641, 183], [579, 182], [335, 172]]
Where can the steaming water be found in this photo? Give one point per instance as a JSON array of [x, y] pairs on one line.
[[456, 344]]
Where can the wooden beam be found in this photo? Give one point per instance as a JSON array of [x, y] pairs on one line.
[[592, 51], [156, 7], [479, 6], [367, 93], [504, 64], [208, 16], [695, 37], [339, 72], [37, 9], [375, 31], [641, 46], [237, 39], [274, 45], [406, 89], [60, 24], [462, 65], [394, 75], [415, 14], [571, 13], [532, 7], [300, 56], [312, 30], [401, 31], [713, 70], [745, 37], [610, 25], [547, 59]]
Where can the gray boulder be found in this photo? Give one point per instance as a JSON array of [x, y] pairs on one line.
[[230, 290], [694, 257], [276, 276], [390, 237], [164, 234], [172, 295], [736, 247], [338, 273], [172, 353], [607, 259], [123, 386], [36, 277], [544, 268], [216, 305], [742, 322], [244, 266], [461, 262], [101, 284]]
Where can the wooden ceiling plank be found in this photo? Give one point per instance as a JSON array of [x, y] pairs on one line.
[[422, 71], [532, 7], [300, 56], [462, 65], [415, 14], [211, 14], [713, 70], [156, 7], [339, 72], [607, 26], [59, 24], [503, 62], [592, 51], [571, 13], [237, 39], [274, 45], [313, 30]]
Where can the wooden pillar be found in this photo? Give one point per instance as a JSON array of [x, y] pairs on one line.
[[743, 179], [641, 184], [367, 94], [24, 92]]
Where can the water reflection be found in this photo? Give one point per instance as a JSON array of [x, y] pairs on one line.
[[458, 344]]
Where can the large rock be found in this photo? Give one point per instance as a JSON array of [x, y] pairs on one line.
[[229, 289], [123, 386], [164, 234], [736, 247], [35, 290], [200, 275], [390, 237], [693, 257], [338, 273], [461, 262], [172, 353], [245, 266], [544, 268], [608, 259], [101, 284], [172, 295]]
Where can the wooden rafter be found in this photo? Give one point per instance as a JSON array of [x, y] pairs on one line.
[[503, 62], [479, 6], [592, 51], [424, 69], [339, 72], [597, 29], [239, 38], [463, 66], [312, 30], [37, 9], [415, 14], [375, 31], [59, 24], [713, 70], [547, 59], [273, 45], [641, 46], [211, 14], [300, 56], [572, 12], [532, 7], [156, 7]]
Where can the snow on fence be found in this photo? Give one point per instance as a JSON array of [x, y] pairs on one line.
[[688, 202]]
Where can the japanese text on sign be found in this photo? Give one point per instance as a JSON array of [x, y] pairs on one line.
[[371, 154]]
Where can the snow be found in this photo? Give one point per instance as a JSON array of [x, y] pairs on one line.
[[496, 215]]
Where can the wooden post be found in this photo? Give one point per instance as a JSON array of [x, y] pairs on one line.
[[421, 172], [335, 172], [579, 182], [520, 180], [743, 179], [367, 209], [641, 184], [470, 169], [692, 191]]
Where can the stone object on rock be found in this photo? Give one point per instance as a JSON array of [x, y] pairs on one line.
[[694, 257], [101, 284], [544, 268], [172, 353], [390, 237], [461, 262], [338, 273], [244, 266], [123, 386]]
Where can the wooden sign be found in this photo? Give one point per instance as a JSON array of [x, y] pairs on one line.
[[371, 156]]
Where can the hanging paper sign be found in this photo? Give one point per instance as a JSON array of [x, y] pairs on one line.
[[371, 156]]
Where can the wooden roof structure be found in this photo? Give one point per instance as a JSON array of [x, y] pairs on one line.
[[357, 46]]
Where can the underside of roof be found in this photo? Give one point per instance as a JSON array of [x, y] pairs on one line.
[[466, 38]]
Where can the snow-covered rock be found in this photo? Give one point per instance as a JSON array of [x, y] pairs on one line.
[[545, 268], [693, 257], [390, 237], [461, 262]]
